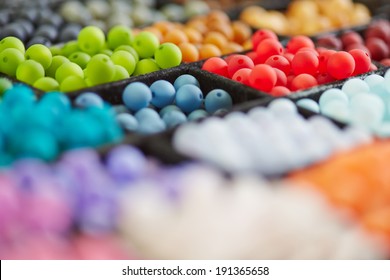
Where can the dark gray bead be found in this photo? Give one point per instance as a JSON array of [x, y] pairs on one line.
[[13, 30], [39, 40], [47, 31]]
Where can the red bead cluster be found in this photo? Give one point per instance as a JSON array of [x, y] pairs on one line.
[[278, 71]]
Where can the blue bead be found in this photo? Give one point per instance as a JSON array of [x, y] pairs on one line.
[[163, 93], [185, 79], [174, 118], [309, 104], [355, 86], [189, 98], [169, 108], [367, 110], [106, 118], [57, 101], [282, 106], [19, 95], [89, 99], [136, 96], [197, 114], [151, 126], [146, 113], [332, 94], [127, 121], [373, 80], [218, 99]]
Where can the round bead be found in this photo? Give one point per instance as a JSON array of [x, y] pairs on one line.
[[136, 96], [189, 98], [163, 93], [174, 118], [218, 99], [185, 79], [168, 55], [88, 99], [127, 121], [341, 65], [309, 104]]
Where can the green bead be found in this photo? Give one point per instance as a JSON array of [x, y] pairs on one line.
[[107, 52], [68, 69], [12, 42], [39, 53], [119, 35], [6, 84], [120, 73], [100, 69], [145, 66], [146, 43], [72, 83], [46, 84], [80, 58], [10, 60], [69, 48], [124, 59], [130, 50], [56, 62], [168, 55], [91, 39], [55, 50], [29, 71]]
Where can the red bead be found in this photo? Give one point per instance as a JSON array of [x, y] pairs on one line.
[[298, 42], [379, 30], [341, 65], [279, 62], [358, 46], [280, 91], [289, 56], [330, 42], [305, 62], [242, 76], [362, 61], [268, 48], [351, 38], [323, 61], [378, 48], [290, 78], [216, 65], [303, 81], [261, 35], [281, 78], [237, 62], [385, 61], [252, 55], [263, 77], [373, 67], [324, 78]]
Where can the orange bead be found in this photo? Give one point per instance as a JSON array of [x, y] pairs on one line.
[[378, 221], [224, 29], [189, 52], [216, 39], [194, 36], [155, 31], [232, 48], [176, 37], [164, 26], [217, 16], [199, 25], [241, 32], [209, 50]]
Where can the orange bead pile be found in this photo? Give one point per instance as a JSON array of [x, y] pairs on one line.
[[356, 181]]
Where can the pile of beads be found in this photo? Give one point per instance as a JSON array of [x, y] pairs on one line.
[[278, 71], [107, 14], [36, 25], [164, 105], [306, 17], [357, 182], [376, 41], [210, 217], [266, 140], [361, 102], [205, 36], [44, 128], [91, 60]]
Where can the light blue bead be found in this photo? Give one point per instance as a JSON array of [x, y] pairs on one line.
[[151, 126], [355, 86], [163, 93], [387, 80], [89, 99], [282, 106], [383, 130], [127, 121], [169, 108], [197, 114], [189, 98], [373, 80], [136, 96], [332, 94], [336, 109], [185, 79], [367, 110], [174, 118], [19, 95], [309, 104], [218, 99], [146, 114]]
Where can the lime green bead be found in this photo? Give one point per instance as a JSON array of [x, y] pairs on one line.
[[107, 52], [130, 50], [146, 43], [12, 42], [29, 71], [56, 62], [6, 84], [145, 66], [119, 35], [72, 83], [69, 48], [168, 55], [120, 73], [124, 59], [39, 53], [68, 69], [46, 84], [10, 60], [55, 50], [100, 69], [91, 39], [80, 58]]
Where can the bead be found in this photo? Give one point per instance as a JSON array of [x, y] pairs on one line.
[[174, 118], [218, 99], [185, 79], [88, 99], [136, 96], [189, 98], [163, 93]]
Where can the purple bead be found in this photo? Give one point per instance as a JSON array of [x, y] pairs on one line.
[[28, 173]]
